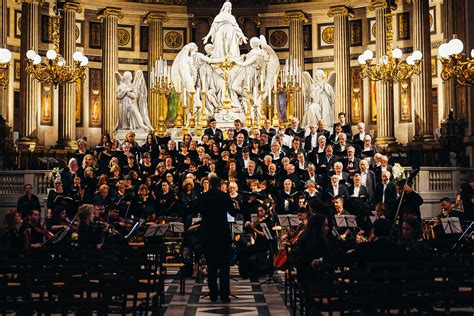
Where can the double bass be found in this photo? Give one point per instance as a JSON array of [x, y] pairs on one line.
[[280, 262]]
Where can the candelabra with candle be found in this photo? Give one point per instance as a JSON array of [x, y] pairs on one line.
[[179, 117], [184, 113], [203, 122], [275, 120], [192, 120], [248, 118], [289, 82], [161, 85], [456, 64], [262, 108]]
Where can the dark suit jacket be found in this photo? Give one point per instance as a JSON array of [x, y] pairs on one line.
[[357, 141], [378, 173], [292, 199], [390, 194], [307, 143], [217, 136], [410, 206], [299, 132], [323, 132], [347, 129], [362, 191], [380, 250], [271, 131], [243, 131], [370, 184], [215, 231], [342, 192]]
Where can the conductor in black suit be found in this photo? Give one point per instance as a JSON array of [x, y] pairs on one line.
[[216, 238]]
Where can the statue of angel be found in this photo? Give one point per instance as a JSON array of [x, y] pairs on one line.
[[184, 70], [271, 64], [133, 107], [319, 99]]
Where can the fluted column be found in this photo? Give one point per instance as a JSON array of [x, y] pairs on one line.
[[110, 17], [449, 87], [67, 92], [385, 124], [296, 20], [422, 83], [342, 61], [3, 41], [29, 87], [155, 22]]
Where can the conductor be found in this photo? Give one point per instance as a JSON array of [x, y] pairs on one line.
[[216, 237]]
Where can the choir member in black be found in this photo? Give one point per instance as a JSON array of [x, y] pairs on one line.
[[90, 234], [311, 141], [256, 154], [151, 146], [81, 196], [104, 140], [147, 167], [144, 202], [318, 152], [296, 148], [238, 129], [311, 174], [187, 201], [250, 174], [311, 251], [411, 202], [340, 233], [81, 151], [340, 149], [264, 144], [213, 132], [367, 177], [293, 176], [241, 209], [295, 130], [335, 188], [276, 153], [337, 132], [386, 191], [311, 192], [322, 131], [53, 195], [27, 202], [104, 158], [327, 161], [345, 126], [358, 139], [68, 174], [301, 164], [340, 173], [287, 203], [131, 165], [214, 207], [103, 196], [10, 237], [351, 162], [166, 201], [214, 151], [384, 166], [241, 141], [268, 129]]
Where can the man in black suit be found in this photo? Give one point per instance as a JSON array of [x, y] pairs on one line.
[[216, 238], [351, 163], [268, 129], [358, 138], [311, 141], [294, 130], [287, 199], [385, 191], [411, 202], [334, 138], [238, 129], [327, 161], [213, 132], [367, 177], [336, 189], [345, 126], [321, 131]]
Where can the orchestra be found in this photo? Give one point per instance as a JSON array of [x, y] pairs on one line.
[[112, 195]]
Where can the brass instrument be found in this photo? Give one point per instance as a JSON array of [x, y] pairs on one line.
[[428, 227]]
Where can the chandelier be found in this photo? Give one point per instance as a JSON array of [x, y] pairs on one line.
[[455, 63], [390, 67], [54, 69], [5, 57]]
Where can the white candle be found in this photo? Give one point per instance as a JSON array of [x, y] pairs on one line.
[[179, 84], [269, 96], [185, 97]]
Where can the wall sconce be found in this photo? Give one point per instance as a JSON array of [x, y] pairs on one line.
[[5, 57]]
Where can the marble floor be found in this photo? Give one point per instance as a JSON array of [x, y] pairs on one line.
[[250, 298]]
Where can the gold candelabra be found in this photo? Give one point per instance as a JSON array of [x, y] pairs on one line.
[[248, 118], [290, 87], [226, 66], [192, 120], [162, 87], [54, 69], [5, 57], [179, 116], [275, 120], [456, 64], [203, 122], [262, 108], [391, 67]]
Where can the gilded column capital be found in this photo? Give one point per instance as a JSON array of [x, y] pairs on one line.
[[72, 6], [296, 15], [340, 10], [154, 15], [39, 2], [110, 11], [382, 4]]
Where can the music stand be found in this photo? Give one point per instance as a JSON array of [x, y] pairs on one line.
[[237, 227], [288, 220], [158, 230], [271, 279], [177, 227], [451, 225], [348, 221]]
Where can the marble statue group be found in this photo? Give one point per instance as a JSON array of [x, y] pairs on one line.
[[250, 79]]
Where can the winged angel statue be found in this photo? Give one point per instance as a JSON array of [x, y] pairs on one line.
[[319, 99], [132, 96]]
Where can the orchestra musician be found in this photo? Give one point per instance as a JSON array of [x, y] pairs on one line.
[[90, 233]]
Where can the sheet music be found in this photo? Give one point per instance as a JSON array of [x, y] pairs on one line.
[[177, 227], [451, 225], [237, 227]]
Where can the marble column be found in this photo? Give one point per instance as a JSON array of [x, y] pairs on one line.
[[67, 92], [342, 61], [296, 20], [422, 83], [385, 119], [3, 41], [110, 17], [29, 86], [449, 87], [155, 22]]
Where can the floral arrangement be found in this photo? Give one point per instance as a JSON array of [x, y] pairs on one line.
[[52, 175], [398, 172]]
